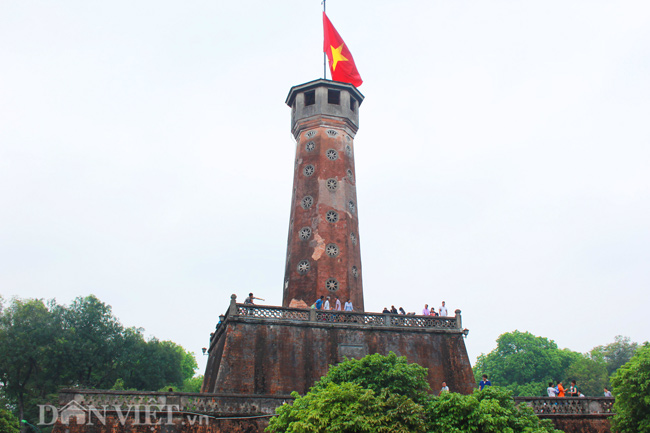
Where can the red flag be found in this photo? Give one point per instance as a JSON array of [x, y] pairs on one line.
[[342, 65]]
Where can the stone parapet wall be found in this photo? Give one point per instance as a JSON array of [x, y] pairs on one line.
[[274, 351], [573, 414]]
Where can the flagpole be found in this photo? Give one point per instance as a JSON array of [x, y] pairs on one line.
[[324, 54]]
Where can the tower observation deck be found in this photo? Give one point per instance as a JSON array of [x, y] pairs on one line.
[[323, 249]]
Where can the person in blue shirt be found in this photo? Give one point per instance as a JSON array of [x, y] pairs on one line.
[[319, 302], [485, 382]]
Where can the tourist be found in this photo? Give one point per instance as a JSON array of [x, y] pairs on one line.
[[433, 312], [484, 382], [443, 310], [393, 310], [401, 311], [319, 302], [607, 393], [560, 389], [573, 390], [386, 311], [249, 299], [327, 304], [337, 305], [444, 388], [426, 311], [348, 306], [551, 391]]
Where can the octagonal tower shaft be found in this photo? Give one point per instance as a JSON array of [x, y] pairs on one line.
[[323, 250]]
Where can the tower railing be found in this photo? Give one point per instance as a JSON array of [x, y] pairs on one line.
[[554, 406], [450, 323]]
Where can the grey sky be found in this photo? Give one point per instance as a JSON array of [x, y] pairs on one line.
[[502, 160]]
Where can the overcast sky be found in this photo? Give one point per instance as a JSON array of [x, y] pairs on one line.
[[502, 158]]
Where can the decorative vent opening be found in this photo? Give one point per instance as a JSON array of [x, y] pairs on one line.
[[332, 184], [348, 150], [332, 285], [333, 97], [332, 154], [303, 267], [310, 134], [310, 98], [310, 146], [350, 174], [355, 272], [332, 132], [353, 238], [308, 170], [332, 216], [305, 233], [332, 250], [306, 202], [351, 206]]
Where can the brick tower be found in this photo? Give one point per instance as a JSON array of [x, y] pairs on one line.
[[323, 252]]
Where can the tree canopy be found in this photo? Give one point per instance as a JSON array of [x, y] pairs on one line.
[[386, 394], [46, 346], [631, 389], [525, 364]]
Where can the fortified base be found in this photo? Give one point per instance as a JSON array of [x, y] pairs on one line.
[[273, 351]]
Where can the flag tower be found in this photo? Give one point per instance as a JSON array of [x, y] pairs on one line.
[[323, 249]]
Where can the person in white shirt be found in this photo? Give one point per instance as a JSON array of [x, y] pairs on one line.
[[444, 388], [443, 310], [337, 305], [551, 390], [327, 304], [348, 306]]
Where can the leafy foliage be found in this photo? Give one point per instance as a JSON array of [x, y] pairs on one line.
[[491, 410], [590, 375], [378, 372], [8, 422], [631, 388], [349, 408], [46, 347], [523, 362], [373, 394], [615, 354]]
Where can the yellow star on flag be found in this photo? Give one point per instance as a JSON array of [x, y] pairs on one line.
[[337, 56]]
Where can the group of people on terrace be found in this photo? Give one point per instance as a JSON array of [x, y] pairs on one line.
[[327, 303], [323, 303], [442, 310], [559, 390]]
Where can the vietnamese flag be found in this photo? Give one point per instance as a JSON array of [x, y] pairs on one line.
[[342, 65]]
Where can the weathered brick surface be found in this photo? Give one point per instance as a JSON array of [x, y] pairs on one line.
[[320, 129], [277, 357], [581, 423]]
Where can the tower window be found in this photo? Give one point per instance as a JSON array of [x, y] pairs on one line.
[[310, 98], [332, 284], [332, 250], [333, 97], [332, 154], [332, 216], [303, 267], [353, 103]]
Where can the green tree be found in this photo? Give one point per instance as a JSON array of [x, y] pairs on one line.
[[8, 422], [615, 354], [631, 389], [348, 408], [93, 340], [591, 376], [489, 411], [29, 334], [524, 363], [381, 372]]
